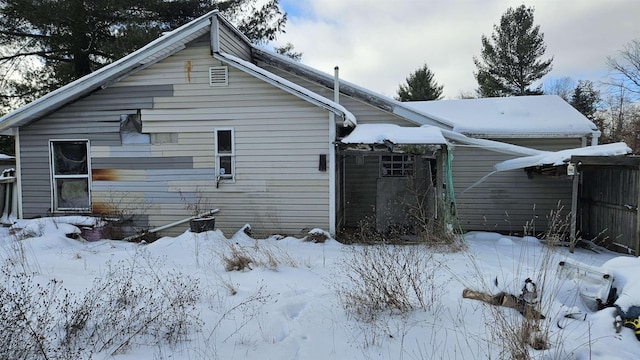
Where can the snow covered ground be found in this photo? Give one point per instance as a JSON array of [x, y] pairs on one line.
[[286, 306]]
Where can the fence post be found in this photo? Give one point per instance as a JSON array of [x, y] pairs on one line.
[[574, 210]]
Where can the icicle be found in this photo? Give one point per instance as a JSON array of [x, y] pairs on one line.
[[478, 182]]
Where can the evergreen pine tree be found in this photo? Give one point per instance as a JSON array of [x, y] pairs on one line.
[[585, 99], [509, 60], [420, 85]]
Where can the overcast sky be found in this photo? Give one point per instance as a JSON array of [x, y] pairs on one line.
[[378, 43]]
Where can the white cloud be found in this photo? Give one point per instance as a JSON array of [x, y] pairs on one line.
[[377, 44]]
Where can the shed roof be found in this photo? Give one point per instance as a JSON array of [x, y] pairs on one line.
[[562, 156], [381, 133]]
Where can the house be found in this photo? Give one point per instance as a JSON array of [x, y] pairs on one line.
[[201, 118]]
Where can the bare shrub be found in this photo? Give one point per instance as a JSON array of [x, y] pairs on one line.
[[244, 257], [426, 214], [125, 307], [236, 259], [129, 305], [120, 214], [232, 314], [29, 318], [389, 279]]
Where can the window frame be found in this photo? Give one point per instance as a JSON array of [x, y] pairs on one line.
[[54, 177], [407, 168], [226, 178]]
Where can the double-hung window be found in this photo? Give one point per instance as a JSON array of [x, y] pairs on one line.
[[70, 175], [225, 155]]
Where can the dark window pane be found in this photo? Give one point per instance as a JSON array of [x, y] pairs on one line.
[[73, 193], [225, 166], [224, 141], [70, 158]]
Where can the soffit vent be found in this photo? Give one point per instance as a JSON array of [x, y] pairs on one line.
[[218, 76]]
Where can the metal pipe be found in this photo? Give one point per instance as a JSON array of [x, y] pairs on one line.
[[168, 226], [332, 156]]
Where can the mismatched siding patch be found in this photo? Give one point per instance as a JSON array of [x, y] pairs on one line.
[[144, 163]]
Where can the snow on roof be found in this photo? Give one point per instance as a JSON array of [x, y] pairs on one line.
[[380, 133], [560, 157], [288, 86], [541, 115]]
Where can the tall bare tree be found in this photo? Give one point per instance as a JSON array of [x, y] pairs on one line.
[[627, 66]]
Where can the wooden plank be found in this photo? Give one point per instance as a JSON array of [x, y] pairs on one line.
[[625, 160], [574, 211]]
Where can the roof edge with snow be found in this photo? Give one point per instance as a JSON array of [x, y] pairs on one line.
[[288, 86], [562, 156]]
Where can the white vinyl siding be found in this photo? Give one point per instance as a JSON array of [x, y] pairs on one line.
[[507, 201], [277, 139]]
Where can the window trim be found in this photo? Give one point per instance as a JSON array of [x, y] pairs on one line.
[[227, 178], [54, 177]]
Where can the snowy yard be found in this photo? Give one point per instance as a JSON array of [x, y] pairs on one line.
[[288, 303]]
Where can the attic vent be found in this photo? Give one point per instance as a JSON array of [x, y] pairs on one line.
[[218, 76]]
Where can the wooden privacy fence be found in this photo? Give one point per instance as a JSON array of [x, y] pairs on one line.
[[608, 201]]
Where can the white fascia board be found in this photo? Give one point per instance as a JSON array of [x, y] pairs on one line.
[[516, 135], [288, 86], [106, 74]]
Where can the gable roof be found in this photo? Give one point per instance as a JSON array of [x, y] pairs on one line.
[[268, 58], [159, 49], [503, 117], [455, 117]]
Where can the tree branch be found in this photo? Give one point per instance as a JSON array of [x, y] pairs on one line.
[[26, 35]]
